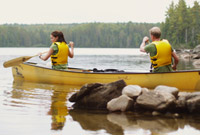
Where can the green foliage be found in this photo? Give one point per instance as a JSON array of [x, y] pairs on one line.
[[182, 25], [181, 28], [96, 35]]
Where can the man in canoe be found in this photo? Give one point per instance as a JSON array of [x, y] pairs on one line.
[[161, 52], [59, 51]]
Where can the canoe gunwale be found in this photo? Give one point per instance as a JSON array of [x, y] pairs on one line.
[[86, 71]]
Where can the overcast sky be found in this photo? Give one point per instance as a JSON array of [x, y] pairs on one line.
[[82, 11]]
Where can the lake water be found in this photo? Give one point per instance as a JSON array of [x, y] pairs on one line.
[[43, 109]]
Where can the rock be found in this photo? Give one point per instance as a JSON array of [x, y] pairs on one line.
[[132, 91], [85, 90], [122, 103], [145, 90], [185, 56], [162, 88], [196, 49], [155, 101], [196, 56], [189, 101], [181, 101], [96, 96], [193, 104], [196, 62]]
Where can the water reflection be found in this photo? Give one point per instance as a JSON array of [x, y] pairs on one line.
[[58, 110], [53, 98], [95, 121], [125, 123], [56, 94]]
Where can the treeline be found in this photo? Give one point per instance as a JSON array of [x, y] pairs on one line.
[[181, 28], [182, 24], [97, 35]]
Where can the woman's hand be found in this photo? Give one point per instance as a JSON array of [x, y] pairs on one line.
[[40, 54], [71, 53], [71, 44]]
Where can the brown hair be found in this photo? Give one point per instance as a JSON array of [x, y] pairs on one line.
[[155, 31], [60, 36]]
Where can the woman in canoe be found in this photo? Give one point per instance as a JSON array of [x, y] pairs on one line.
[[59, 51]]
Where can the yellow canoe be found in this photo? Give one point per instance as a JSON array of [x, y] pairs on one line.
[[31, 72]]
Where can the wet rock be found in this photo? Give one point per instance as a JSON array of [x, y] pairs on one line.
[[96, 96], [161, 88], [155, 101], [132, 91], [122, 103]]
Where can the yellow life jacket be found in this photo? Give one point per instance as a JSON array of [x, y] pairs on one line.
[[164, 54], [62, 56]]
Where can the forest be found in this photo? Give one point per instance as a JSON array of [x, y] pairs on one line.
[[181, 27]]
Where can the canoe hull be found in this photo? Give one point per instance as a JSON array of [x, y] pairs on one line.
[[185, 80]]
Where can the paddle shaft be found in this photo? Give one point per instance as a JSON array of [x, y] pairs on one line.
[[19, 60]]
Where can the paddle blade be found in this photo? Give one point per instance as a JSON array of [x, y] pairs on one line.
[[16, 61]]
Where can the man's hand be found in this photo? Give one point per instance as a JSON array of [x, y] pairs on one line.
[[174, 67], [145, 39]]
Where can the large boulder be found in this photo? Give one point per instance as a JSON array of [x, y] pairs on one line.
[[96, 96], [156, 101]]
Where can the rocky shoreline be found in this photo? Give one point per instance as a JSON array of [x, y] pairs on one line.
[[190, 54], [119, 97]]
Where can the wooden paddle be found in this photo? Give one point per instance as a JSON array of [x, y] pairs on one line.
[[17, 61]]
